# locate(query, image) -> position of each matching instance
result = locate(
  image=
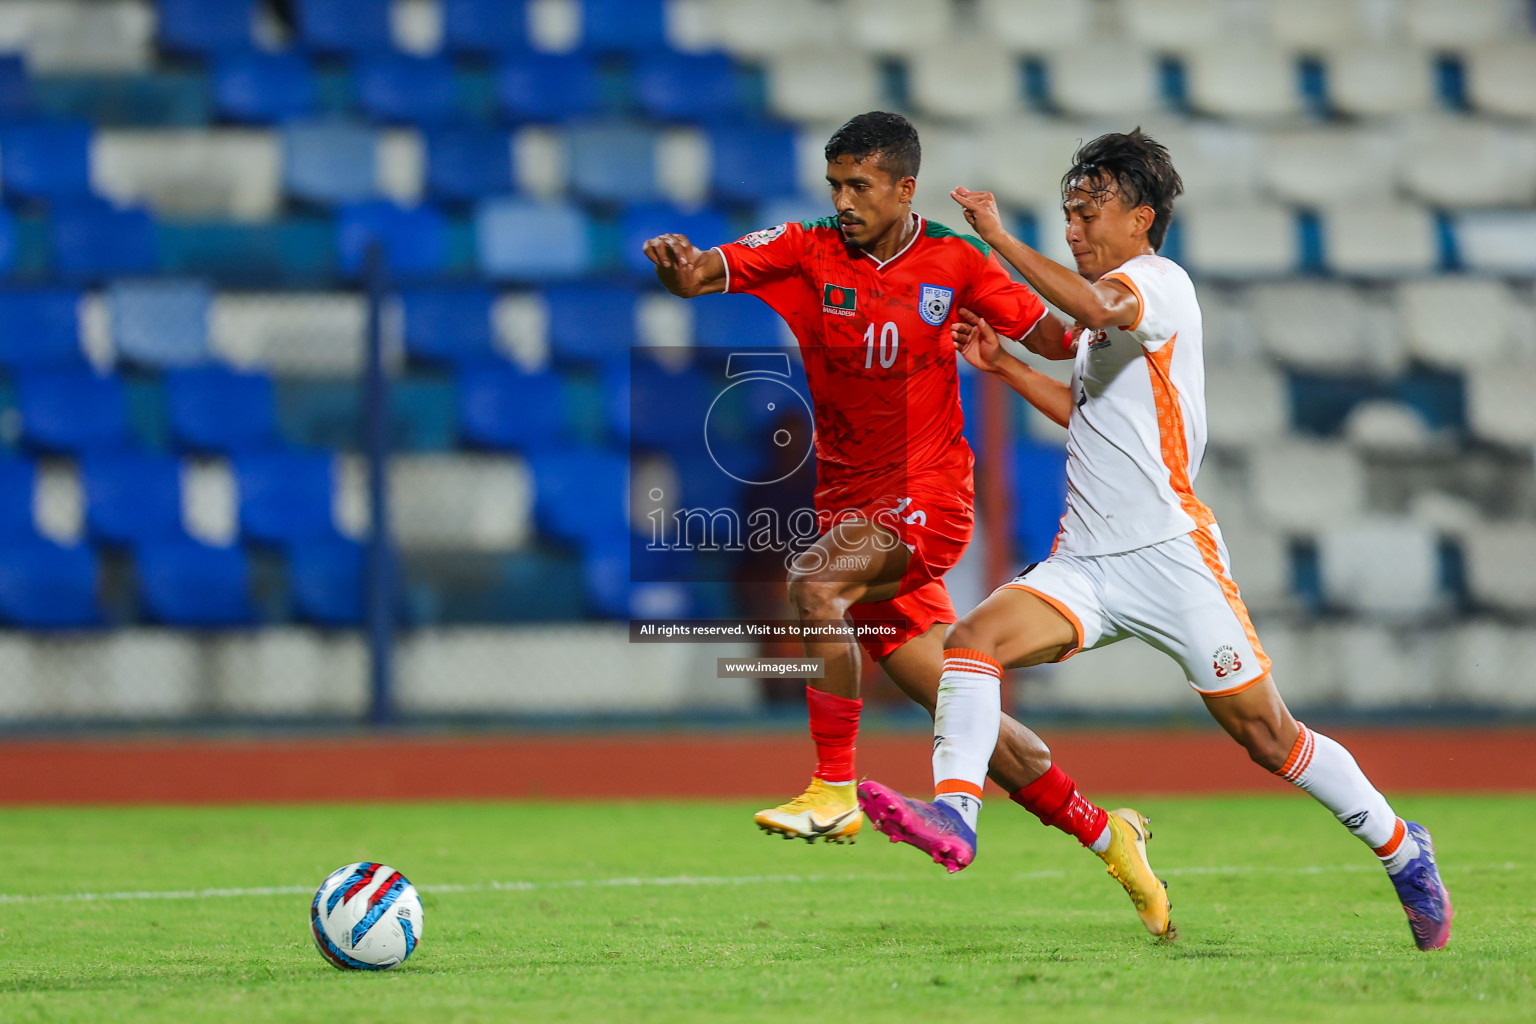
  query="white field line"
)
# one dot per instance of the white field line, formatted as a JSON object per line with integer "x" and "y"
{"x": 681, "y": 881}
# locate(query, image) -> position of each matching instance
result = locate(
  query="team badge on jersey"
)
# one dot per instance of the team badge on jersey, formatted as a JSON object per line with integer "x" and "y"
{"x": 839, "y": 300}
{"x": 933, "y": 304}
{"x": 762, "y": 237}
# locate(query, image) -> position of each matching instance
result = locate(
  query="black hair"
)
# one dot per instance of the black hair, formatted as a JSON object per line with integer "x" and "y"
{"x": 1136, "y": 166}
{"x": 890, "y": 136}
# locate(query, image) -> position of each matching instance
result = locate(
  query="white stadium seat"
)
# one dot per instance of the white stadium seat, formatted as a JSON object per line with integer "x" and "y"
{"x": 822, "y": 85}
{"x": 541, "y": 164}
{"x": 751, "y": 28}
{"x": 400, "y": 165}
{"x": 1501, "y": 78}
{"x": 1315, "y": 23}
{"x": 1241, "y": 80}
{"x": 1305, "y": 487}
{"x": 897, "y": 26}
{"x": 1128, "y": 676}
{"x": 79, "y": 36}
{"x": 1240, "y": 241}
{"x": 1489, "y": 663}
{"x": 1126, "y": 87}
{"x": 1218, "y": 163}
{"x": 1500, "y": 405}
{"x": 289, "y": 672}
{"x": 1441, "y": 24}
{"x": 445, "y": 502}
{"x": 124, "y": 673}
{"x": 1026, "y": 157}
{"x": 1321, "y": 326}
{"x": 1231, "y": 333}
{"x": 1380, "y": 239}
{"x": 1500, "y": 242}
{"x": 520, "y": 329}
{"x": 1246, "y": 403}
{"x": 1036, "y": 26}
{"x": 1260, "y": 563}
{"x": 951, "y": 156}
{"x": 1383, "y": 568}
{"x": 1173, "y": 23}
{"x": 965, "y": 82}
{"x": 1302, "y": 668}
{"x": 1304, "y": 167}
{"x": 221, "y": 173}
{"x": 1454, "y": 321}
{"x": 290, "y": 333}
{"x": 1385, "y": 425}
{"x": 1437, "y": 153}
{"x": 1380, "y": 667}
{"x": 1501, "y": 566}
{"x": 1374, "y": 81}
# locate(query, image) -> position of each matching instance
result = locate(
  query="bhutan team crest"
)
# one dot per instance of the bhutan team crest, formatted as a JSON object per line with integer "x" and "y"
{"x": 1226, "y": 661}
{"x": 933, "y": 304}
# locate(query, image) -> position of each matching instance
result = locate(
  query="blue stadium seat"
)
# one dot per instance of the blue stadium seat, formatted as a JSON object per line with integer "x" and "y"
{"x": 687, "y": 87}
{"x": 636, "y": 26}
{"x": 15, "y": 89}
{"x": 466, "y": 164}
{"x": 160, "y": 322}
{"x": 291, "y": 251}
{"x": 41, "y": 329}
{"x": 344, "y": 26}
{"x": 329, "y": 163}
{"x": 286, "y": 496}
{"x": 72, "y": 410}
{"x": 448, "y": 325}
{"x": 93, "y": 241}
{"x": 484, "y": 26}
{"x": 735, "y": 321}
{"x": 46, "y": 159}
{"x": 590, "y": 321}
{"x": 704, "y": 228}
{"x": 617, "y": 587}
{"x": 201, "y": 27}
{"x": 548, "y": 87}
{"x": 132, "y": 497}
{"x": 264, "y": 87}
{"x": 18, "y": 482}
{"x": 667, "y": 409}
{"x": 326, "y": 578}
{"x": 523, "y": 240}
{"x": 580, "y": 494}
{"x": 612, "y": 162}
{"x": 214, "y": 409}
{"x": 1040, "y": 481}
{"x": 9, "y": 241}
{"x": 502, "y": 407}
{"x": 188, "y": 584}
{"x": 752, "y": 163}
{"x": 414, "y": 239}
{"x": 46, "y": 586}
{"x": 416, "y": 90}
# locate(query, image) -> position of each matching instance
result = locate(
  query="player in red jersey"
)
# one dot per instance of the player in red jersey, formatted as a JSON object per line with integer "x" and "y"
{"x": 870, "y": 295}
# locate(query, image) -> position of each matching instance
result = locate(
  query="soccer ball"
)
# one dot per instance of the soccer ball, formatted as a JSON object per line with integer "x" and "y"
{"x": 365, "y": 917}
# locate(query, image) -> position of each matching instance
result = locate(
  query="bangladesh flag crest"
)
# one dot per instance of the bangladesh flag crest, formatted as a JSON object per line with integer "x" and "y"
{"x": 839, "y": 299}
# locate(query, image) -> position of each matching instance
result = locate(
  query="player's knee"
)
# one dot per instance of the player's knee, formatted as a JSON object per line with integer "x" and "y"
{"x": 968, "y": 636}
{"x": 817, "y": 598}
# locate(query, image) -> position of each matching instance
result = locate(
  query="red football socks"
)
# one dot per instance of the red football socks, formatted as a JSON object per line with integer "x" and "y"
{"x": 835, "y": 728}
{"x": 1054, "y": 799}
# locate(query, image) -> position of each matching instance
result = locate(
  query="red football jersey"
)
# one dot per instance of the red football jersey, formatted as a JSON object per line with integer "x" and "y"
{"x": 875, "y": 340}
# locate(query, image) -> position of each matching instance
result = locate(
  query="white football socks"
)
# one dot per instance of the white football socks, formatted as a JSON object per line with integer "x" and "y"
{"x": 966, "y": 721}
{"x": 1323, "y": 768}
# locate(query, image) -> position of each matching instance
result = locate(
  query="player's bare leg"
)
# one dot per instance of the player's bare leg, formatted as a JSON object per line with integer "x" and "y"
{"x": 1013, "y": 629}
{"x": 856, "y": 560}
{"x": 1259, "y": 720}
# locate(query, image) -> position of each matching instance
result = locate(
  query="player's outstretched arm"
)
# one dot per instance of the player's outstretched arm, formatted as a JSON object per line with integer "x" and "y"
{"x": 1092, "y": 304}
{"x": 683, "y": 268}
{"x": 978, "y": 344}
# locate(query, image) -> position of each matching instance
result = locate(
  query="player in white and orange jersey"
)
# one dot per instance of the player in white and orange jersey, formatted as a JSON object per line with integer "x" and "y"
{"x": 1138, "y": 554}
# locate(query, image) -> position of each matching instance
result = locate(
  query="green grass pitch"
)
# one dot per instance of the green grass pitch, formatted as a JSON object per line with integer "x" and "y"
{"x": 684, "y": 911}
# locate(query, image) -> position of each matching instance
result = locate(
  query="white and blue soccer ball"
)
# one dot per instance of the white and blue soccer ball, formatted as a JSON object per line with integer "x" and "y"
{"x": 366, "y": 917}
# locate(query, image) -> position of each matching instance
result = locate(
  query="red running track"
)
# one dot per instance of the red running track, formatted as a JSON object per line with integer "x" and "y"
{"x": 727, "y": 765}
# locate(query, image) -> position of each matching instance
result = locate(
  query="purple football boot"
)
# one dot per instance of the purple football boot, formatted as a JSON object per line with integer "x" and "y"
{"x": 936, "y": 829}
{"x": 1423, "y": 895}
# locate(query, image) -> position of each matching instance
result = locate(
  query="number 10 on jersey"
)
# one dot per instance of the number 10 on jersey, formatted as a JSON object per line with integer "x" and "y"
{"x": 888, "y": 343}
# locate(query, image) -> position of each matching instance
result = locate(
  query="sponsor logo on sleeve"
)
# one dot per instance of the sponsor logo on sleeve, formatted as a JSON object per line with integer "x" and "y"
{"x": 933, "y": 304}
{"x": 762, "y": 237}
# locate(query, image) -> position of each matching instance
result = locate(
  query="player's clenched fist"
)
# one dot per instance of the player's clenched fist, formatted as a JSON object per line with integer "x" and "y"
{"x": 980, "y": 210}
{"x": 683, "y": 268}
{"x": 670, "y": 251}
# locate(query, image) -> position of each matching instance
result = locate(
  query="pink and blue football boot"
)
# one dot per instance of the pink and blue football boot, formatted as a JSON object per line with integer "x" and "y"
{"x": 1423, "y": 895}
{"x": 937, "y": 829}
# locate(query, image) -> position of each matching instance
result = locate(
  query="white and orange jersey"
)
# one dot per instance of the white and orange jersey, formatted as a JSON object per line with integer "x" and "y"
{"x": 1137, "y": 432}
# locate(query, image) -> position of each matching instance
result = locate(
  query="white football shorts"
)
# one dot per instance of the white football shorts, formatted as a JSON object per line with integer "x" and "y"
{"x": 1177, "y": 595}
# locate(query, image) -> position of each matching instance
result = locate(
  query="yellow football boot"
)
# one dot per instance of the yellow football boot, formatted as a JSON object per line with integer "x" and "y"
{"x": 1126, "y": 857}
{"x": 824, "y": 811}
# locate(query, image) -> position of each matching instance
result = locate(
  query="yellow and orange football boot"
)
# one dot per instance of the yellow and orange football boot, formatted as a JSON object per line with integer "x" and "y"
{"x": 824, "y": 811}
{"x": 1126, "y": 857}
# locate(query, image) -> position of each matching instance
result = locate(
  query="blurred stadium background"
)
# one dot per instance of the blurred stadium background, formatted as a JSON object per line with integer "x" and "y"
{"x": 190, "y": 190}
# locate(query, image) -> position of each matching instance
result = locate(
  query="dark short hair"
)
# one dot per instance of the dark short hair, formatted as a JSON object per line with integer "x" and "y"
{"x": 1136, "y": 166}
{"x": 879, "y": 132}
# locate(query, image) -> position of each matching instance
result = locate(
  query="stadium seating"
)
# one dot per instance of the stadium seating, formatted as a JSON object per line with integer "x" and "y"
{"x": 1381, "y": 568}
{"x": 213, "y": 409}
{"x": 548, "y": 87}
{"x": 329, "y": 163}
{"x": 484, "y": 26}
{"x": 46, "y": 159}
{"x": 344, "y": 26}
{"x": 72, "y": 410}
{"x": 687, "y": 87}
{"x": 194, "y": 27}
{"x": 188, "y": 584}
{"x": 286, "y": 497}
{"x": 465, "y": 164}
{"x": 417, "y": 90}
{"x": 448, "y": 325}
{"x": 502, "y": 407}
{"x": 160, "y": 323}
{"x": 327, "y": 579}
{"x": 40, "y": 329}
{"x": 264, "y": 87}
{"x": 531, "y": 241}
{"x": 93, "y": 241}
{"x": 132, "y": 498}
{"x": 414, "y": 240}
{"x": 47, "y": 586}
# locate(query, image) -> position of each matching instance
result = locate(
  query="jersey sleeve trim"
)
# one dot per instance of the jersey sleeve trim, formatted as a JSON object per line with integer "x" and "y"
{"x": 726, "y": 262}
{"x": 1141, "y": 303}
